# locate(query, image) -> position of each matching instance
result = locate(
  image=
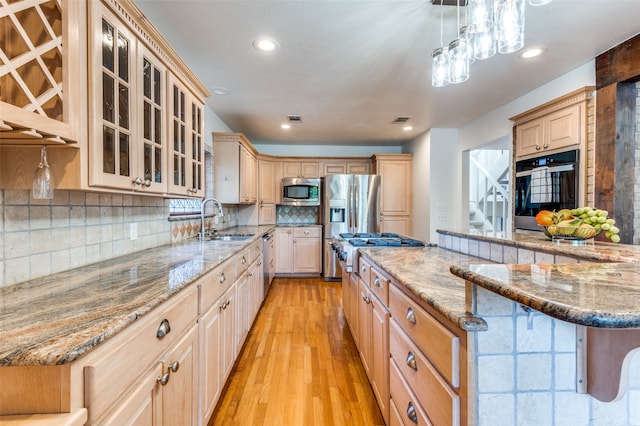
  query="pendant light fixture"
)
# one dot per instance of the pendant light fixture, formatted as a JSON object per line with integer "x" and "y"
{"x": 458, "y": 57}
{"x": 510, "y": 25}
{"x": 539, "y": 2}
{"x": 440, "y": 59}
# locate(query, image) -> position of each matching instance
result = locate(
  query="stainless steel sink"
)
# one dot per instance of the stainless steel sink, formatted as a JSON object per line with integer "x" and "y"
{"x": 231, "y": 237}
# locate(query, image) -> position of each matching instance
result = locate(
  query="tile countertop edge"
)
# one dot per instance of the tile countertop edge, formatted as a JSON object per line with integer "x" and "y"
{"x": 87, "y": 332}
{"x": 462, "y": 319}
{"x": 541, "y": 298}
{"x": 597, "y": 251}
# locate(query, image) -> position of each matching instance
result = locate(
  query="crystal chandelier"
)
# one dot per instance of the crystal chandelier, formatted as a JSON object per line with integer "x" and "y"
{"x": 491, "y": 26}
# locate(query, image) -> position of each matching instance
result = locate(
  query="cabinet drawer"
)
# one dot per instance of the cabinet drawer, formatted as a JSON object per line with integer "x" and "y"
{"x": 404, "y": 401}
{"x": 380, "y": 285}
{"x": 255, "y": 251}
{"x": 117, "y": 365}
{"x": 243, "y": 260}
{"x": 440, "y": 402}
{"x": 364, "y": 270}
{"x": 310, "y": 232}
{"x": 440, "y": 345}
{"x": 215, "y": 283}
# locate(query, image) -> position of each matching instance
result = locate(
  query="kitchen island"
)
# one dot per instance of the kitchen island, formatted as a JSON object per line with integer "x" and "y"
{"x": 532, "y": 364}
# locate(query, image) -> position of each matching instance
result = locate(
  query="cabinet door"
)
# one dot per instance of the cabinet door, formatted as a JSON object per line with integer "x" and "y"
{"x": 307, "y": 255}
{"x": 380, "y": 355}
{"x": 310, "y": 169}
{"x": 243, "y": 309}
{"x": 396, "y": 225}
{"x": 365, "y": 325}
{"x": 563, "y": 128}
{"x": 180, "y": 394}
{"x": 529, "y": 137}
{"x": 396, "y": 187}
{"x": 354, "y": 299}
{"x": 290, "y": 169}
{"x": 211, "y": 347}
{"x": 186, "y": 147}
{"x": 227, "y": 352}
{"x": 335, "y": 168}
{"x": 43, "y": 86}
{"x": 248, "y": 184}
{"x": 284, "y": 251}
{"x": 267, "y": 214}
{"x": 359, "y": 168}
{"x": 152, "y": 175}
{"x": 113, "y": 81}
{"x": 267, "y": 182}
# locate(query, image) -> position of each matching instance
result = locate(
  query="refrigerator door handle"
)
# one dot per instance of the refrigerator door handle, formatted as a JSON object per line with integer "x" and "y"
{"x": 356, "y": 205}
{"x": 349, "y": 209}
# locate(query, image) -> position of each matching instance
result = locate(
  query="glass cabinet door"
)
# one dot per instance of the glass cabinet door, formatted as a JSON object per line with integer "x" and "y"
{"x": 197, "y": 149}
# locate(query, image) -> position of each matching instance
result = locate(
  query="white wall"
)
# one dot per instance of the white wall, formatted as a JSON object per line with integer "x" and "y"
{"x": 441, "y": 155}
{"x": 212, "y": 123}
{"x": 303, "y": 150}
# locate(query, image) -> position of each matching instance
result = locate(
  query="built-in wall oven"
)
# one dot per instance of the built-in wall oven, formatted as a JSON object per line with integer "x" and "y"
{"x": 549, "y": 182}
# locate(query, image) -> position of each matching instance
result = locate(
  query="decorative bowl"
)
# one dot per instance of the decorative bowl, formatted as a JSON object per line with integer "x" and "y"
{"x": 578, "y": 235}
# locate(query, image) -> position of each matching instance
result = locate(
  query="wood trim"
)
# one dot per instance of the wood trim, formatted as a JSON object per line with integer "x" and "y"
{"x": 584, "y": 94}
{"x": 618, "y": 64}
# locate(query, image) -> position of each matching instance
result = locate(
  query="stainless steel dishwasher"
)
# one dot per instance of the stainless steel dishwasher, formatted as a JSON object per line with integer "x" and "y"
{"x": 267, "y": 259}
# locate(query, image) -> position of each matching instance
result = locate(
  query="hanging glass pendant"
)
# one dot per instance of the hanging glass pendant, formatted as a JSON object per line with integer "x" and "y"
{"x": 465, "y": 34}
{"x": 440, "y": 67}
{"x": 510, "y": 25}
{"x": 480, "y": 15}
{"x": 539, "y": 2}
{"x": 484, "y": 44}
{"x": 458, "y": 61}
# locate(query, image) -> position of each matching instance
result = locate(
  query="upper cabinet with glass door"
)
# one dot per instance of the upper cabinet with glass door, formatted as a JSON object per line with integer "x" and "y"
{"x": 147, "y": 123}
{"x": 41, "y": 72}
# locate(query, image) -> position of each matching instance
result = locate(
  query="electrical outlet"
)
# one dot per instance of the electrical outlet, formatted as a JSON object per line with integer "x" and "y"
{"x": 133, "y": 231}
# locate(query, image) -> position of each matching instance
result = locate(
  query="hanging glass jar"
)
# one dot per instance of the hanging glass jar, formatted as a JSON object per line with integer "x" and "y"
{"x": 458, "y": 61}
{"x": 484, "y": 43}
{"x": 440, "y": 67}
{"x": 480, "y": 15}
{"x": 510, "y": 25}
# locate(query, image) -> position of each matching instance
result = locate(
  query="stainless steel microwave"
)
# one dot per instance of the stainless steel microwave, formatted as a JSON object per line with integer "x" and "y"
{"x": 300, "y": 192}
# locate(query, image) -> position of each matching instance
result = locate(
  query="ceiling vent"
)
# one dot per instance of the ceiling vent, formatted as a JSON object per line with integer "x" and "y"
{"x": 295, "y": 118}
{"x": 400, "y": 120}
{"x": 449, "y": 2}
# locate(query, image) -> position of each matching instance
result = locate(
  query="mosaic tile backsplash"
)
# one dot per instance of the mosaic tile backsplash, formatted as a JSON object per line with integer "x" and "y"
{"x": 294, "y": 214}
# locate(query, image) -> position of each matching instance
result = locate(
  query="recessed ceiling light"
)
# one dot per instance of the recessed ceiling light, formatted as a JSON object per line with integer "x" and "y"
{"x": 221, "y": 91}
{"x": 264, "y": 44}
{"x": 285, "y": 126}
{"x": 407, "y": 128}
{"x": 532, "y": 53}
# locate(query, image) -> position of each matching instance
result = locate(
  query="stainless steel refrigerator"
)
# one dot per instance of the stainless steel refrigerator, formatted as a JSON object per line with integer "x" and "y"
{"x": 350, "y": 204}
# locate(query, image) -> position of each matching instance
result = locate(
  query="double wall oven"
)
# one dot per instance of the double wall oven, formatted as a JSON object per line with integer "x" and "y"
{"x": 549, "y": 182}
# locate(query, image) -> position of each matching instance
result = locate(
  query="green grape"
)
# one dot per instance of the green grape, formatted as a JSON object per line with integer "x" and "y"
{"x": 602, "y": 219}
{"x": 614, "y": 229}
{"x": 608, "y": 234}
{"x": 579, "y": 210}
{"x": 603, "y": 213}
{"x": 615, "y": 238}
{"x": 591, "y": 213}
{"x": 611, "y": 221}
{"x": 605, "y": 226}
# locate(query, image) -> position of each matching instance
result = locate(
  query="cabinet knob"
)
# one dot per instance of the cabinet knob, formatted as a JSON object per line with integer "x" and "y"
{"x": 222, "y": 278}
{"x": 411, "y": 361}
{"x": 163, "y": 329}
{"x": 137, "y": 181}
{"x": 164, "y": 379}
{"x": 366, "y": 299}
{"x": 545, "y": 146}
{"x": 363, "y": 268}
{"x": 411, "y": 316}
{"x": 244, "y": 260}
{"x": 174, "y": 366}
{"x": 306, "y": 232}
{"x": 376, "y": 282}
{"x": 147, "y": 183}
{"x": 411, "y": 413}
{"x": 537, "y": 147}
{"x": 288, "y": 232}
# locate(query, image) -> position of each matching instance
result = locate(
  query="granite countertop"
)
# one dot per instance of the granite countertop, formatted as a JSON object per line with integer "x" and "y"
{"x": 296, "y": 225}
{"x": 603, "y": 295}
{"x": 56, "y": 319}
{"x": 594, "y": 251}
{"x": 425, "y": 272}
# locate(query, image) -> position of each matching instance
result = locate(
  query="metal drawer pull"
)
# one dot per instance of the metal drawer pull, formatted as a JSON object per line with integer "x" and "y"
{"x": 411, "y": 316}
{"x": 411, "y": 413}
{"x": 363, "y": 268}
{"x": 366, "y": 299}
{"x": 244, "y": 260}
{"x": 222, "y": 278}
{"x": 164, "y": 379}
{"x": 376, "y": 282}
{"x": 163, "y": 329}
{"x": 174, "y": 366}
{"x": 411, "y": 361}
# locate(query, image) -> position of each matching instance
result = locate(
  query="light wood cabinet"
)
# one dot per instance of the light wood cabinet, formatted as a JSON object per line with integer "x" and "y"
{"x": 396, "y": 192}
{"x": 112, "y": 79}
{"x": 348, "y": 166}
{"x": 267, "y": 192}
{"x": 235, "y": 169}
{"x": 301, "y": 169}
{"x": 43, "y": 75}
{"x": 298, "y": 250}
{"x": 555, "y": 126}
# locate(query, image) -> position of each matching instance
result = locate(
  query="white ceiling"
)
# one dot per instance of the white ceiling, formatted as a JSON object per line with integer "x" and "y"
{"x": 350, "y": 67}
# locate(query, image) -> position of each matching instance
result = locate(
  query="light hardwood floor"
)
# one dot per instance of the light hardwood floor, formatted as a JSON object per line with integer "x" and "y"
{"x": 299, "y": 365}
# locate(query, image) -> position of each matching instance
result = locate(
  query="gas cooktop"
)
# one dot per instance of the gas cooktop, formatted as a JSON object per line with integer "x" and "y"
{"x": 380, "y": 239}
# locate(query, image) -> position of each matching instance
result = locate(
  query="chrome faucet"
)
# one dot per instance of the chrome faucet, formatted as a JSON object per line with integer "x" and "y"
{"x": 202, "y": 232}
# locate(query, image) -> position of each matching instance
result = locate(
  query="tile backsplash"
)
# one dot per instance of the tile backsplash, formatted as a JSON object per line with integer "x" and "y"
{"x": 295, "y": 214}
{"x": 41, "y": 237}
